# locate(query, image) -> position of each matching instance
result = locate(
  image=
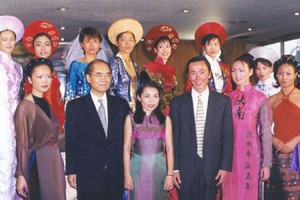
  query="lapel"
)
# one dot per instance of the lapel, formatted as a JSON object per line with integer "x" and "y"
{"x": 93, "y": 115}
{"x": 112, "y": 116}
{"x": 211, "y": 110}
{"x": 189, "y": 113}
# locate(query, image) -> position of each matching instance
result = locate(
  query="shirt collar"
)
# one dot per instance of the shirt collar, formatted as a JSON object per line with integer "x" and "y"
{"x": 5, "y": 56}
{"x": 119, "y": 55}
{"x": 159, "y": 60}
{"x": 204, "y": 94}
{"x": 217, "y": 59}
{"x": 95, "y": 99}
{"x": 247, "y": 87}
{"x": 269, "y": 81}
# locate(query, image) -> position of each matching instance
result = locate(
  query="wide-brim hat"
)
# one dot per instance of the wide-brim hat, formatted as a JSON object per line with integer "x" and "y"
{"x": 158, "y": 31}
{"x": 264, "y": 52}
{"x": 210, "y": 28}
{"x": 40, "y": 26}
{"x": 13, "y": 24}
{"x": 125, "y": 25}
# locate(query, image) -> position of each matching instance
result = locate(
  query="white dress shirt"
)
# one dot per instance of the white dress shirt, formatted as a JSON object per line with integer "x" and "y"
{"x": 97, "y": 103}
{"x": 204, "y": 99}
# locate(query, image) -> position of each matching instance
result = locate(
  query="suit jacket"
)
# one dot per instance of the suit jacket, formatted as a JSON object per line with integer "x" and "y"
{"x": 89, "y": 154}
{"x": 218, "y": 136}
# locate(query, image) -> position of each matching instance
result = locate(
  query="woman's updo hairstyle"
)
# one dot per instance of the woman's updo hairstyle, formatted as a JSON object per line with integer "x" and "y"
{"x": 290, "y": 60}
{"x": 37, "y": 62}
{"x": 248, "y": 59}
{"x": 27, "y": 72}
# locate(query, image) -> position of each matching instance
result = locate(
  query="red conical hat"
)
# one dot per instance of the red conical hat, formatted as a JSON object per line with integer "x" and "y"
{"x": 40, "y": 26}
{"x": 210, "y": 28}
{"x": 161, "y": 30}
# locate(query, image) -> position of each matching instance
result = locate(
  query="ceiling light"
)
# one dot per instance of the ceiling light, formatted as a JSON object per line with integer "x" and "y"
{"x": 250, "y": 29}
{"x": 62, "y": 9}
{"x": 296, "y": 13}
{"x": 142, "y": 39}
{"x": 62, "y": 28}
{"x": 62, "y": 39}
{"x": 185, "y": 10}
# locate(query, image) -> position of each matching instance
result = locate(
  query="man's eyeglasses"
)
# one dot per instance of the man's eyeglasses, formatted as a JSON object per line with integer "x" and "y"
{"x": 101, "y": 75}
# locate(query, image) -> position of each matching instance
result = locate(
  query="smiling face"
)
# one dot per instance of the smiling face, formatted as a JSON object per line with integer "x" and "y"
{"x": 263, "y": 71}
{"x": 90, "y": 45}
{"x": 163, "y": 50}
{"x": 7, "y": 41}
{"x": 99, "y": 78}
{"x": 42, "y": 47}
{"x": 212, "y": 47}
{"x": 198, "y": 75}
{"x": 241, "y": 73}
{"x": 41, "y": 79}
{"x": 126, "y": 42}
{"x": 149, "y": 99}
{"x": 286, "y": 75}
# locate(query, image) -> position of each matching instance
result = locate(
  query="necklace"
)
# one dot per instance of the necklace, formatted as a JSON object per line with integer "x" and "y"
{"x": 287, "y": 96}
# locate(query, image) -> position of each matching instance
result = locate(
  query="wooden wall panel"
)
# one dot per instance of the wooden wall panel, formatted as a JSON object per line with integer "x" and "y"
{"x": 232, "y": 50}
{"x": 185, "y": 51}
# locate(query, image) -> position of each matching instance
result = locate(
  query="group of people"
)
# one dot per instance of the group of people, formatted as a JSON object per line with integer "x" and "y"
{"x": 130, "y": 135}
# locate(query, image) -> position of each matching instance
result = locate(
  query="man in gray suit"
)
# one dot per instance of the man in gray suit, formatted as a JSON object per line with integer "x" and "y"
{"x": 202, "y": 134}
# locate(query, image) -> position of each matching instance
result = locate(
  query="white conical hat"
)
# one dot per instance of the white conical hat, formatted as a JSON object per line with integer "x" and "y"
{"x": 13, "y": 24}
{"x": 264, "y": 52}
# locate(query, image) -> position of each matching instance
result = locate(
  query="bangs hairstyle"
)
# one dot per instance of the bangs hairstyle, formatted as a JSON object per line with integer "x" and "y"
{"x": 290, "y": 60}
{"x": 197, "y": 59}
{"x": 139, "y": 113}
{"x": 120, "y": 35}
{"x": 254, "y": 78}
{"x": 39, "y": 35}
{"x": 162, "y": 39}
{"x": 209, "y": 37}
{"x": 263, "y": 61}
{"x": 89, "y": 32}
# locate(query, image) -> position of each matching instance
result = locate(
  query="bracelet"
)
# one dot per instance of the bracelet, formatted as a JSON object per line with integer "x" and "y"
{"x": 170, "y": 175}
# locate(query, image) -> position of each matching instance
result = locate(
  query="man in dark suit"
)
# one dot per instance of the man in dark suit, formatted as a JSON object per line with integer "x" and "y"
{"x": 94, "y": 138}
{"x": 202, "y": 134}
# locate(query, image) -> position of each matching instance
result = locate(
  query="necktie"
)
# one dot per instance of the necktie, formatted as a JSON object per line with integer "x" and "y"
{"x": 200, "y": 126}
{"x": 101, "y": 113}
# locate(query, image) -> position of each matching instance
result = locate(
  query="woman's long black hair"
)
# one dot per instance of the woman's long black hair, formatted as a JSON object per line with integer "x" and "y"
{"x": 139, "y": 113}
